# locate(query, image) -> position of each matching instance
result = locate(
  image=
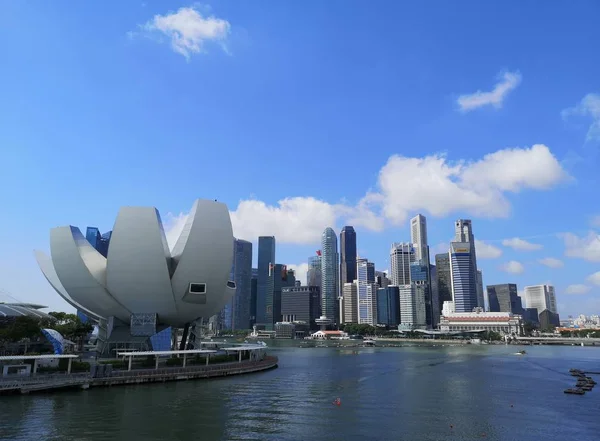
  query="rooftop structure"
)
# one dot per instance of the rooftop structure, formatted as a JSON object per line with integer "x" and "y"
{"x": 12, "y": 310}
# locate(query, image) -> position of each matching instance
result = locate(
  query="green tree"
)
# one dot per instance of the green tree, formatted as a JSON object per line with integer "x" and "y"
{"x": 23, "y": 327}
{"x": 69, "y": 326}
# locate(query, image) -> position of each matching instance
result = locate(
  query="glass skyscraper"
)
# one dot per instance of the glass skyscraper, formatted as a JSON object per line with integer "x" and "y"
{"x": 388, "y": 306}
{"x": 266, "y": 257}
{"x": 347, "y": 255}
{"x": 242, "y": 276}
{"x": 313, "y": 276}
{"x": 464, "y": 279}
{"x": 329, "y": 275}
{"x": 367, "y": 301}
{"x": 279, "y": 277}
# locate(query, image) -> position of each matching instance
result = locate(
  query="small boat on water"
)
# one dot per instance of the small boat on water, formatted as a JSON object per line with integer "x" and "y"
{"x": 369, "y": 342}
{"x": 575, "y": 391}
{"x": 520, "y": 353}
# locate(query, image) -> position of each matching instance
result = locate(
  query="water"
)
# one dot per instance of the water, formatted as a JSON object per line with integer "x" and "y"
{"x": 409, "y": 393}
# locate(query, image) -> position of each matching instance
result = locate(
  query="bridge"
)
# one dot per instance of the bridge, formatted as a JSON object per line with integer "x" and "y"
{"x": 560, "y": 340}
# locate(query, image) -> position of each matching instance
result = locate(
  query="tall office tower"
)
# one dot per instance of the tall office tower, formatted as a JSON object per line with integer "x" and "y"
{"x": 464, "y": 233}
{"x": 279, "y": 277}
{"x": 329, "y": 275}
{"x": 418, "y": 236}
{"x": 347, "y": 255}
{"x": 436, "y": 306}
{"x": 388, "y": 306}
{"x": 266, "y": 258}
{"x": 401, "y": 256}
{"x": 464, "y": 279}
{"x": 253, "y": 294}
{"x": 381, "y": 279}
{"x": 444, "y": 278}
{"x": 480, "y": 297}
{"x": 541, "y": 297}
{"x": 504, "y": 298}
{"x": 350, "y": 302}
{"x": 242, "y": 276}
{"x": 313, "y": 276}
{"x": 419, "y": 275}
{"x": 301, "y": 303}
{"x": 365, "y": 273}
{"x": 412, "y": 306}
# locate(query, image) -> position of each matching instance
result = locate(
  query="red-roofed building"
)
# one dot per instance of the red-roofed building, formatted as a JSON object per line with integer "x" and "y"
{"x": 501, "y": 322}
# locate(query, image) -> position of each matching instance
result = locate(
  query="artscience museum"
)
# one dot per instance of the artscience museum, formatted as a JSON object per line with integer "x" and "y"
{"x": 142, "y": 287}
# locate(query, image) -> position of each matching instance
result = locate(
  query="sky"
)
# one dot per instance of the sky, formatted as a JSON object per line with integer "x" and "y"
{"x": 304, "y": 115}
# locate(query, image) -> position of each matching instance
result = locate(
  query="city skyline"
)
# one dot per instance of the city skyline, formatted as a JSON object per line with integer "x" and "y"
{"x": 508, "y": 140}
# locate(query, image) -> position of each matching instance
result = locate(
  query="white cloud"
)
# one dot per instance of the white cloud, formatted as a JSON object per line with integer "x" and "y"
{"x": 301, "y": 270}
{"x": 188, "y": 30}
{"x": 594, "y": 278}
{"x": 513, "y": 267}
{"x": 577, "y": 289}
{"x": 486, "y": 251}
{"x": 507, "y": 81}
{"x": 585, "y": 247}
{"x": 551, "y": 262}
{"x": 430, "y": 185}
{"x": 173, "y": 225}
{"x": 521, "y": 245}
{"x": 588, "y": 106}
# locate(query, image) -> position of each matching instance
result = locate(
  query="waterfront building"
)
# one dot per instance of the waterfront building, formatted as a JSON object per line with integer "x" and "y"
{"x": 418, "y": 236}
{"x": 419, "y": 275}
{"x": 480, "y": 296}
{"x": 548, "y": 319}
{"x": 401, "y": 256}
{"x": 279, "y": 277}
{"x": 326, "y": 335}
{"x": 478, "y": 320}
{"x": 504, "y": 298}
{"x": 329, "y": 275}
{"x": 302, "y": 304}
{"x": 242, "y": 276}
{"x": 541, "y": 297}
{"x": 443, "y": 277}
{"x": 463, "y": 276}
{"x": 388, "y": 306}
{"x": 347, "y": 255}
{"x": 297, "y": 329}
{"x": 412, "y": 307}
{"x": 464, "y": 234}
{"x": 253, "y": 295}
{"x": 350, "y": 302}
{"x": 266, "y": 258}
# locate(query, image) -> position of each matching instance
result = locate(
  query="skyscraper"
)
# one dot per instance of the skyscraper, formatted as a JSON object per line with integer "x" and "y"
{"x": 367, "y": 295}
{"x": 412, "y": 306}
{"x": 418, "y": 236}
{"x": 463, "y": 229}
{"x": 242, "y": 276}
{"x": 504, "y": 298}
{"x": 388, "y": 306}
{"x": 347, "y": 255}
{"x": 279, "y": 277}
{"x": 350, "y": 302}
{"x": 266, "y": 257}
{"x": 313, "y": 274}
{"x": 541, "y": 297}
{"x": 464, "y": 279}
{"x": 401, "y": 256}
{"x": 480, "y": 296}
{"x": 253, "y": 295}
{"x": 444, "y": 279}
{"x": 329, "y": 275}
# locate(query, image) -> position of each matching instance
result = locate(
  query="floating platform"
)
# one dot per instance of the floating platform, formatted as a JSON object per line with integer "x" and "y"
{"x": 49, "y": 383}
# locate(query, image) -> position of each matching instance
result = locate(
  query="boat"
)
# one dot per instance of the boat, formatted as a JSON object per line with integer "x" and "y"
{"x": 520, "y": 353}
{"x": 575, "y": 391}
{"x": 369, "y": 342}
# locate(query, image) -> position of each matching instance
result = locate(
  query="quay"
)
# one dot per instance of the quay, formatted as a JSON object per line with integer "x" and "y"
{"x": 257, "y": 361}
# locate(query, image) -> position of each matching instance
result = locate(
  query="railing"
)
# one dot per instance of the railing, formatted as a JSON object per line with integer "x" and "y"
{"x": 43, "y": 380}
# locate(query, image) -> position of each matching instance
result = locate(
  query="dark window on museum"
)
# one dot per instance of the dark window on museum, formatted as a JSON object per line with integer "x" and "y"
{"x": 197, "y": 288}
{"x": 231, "y": 284}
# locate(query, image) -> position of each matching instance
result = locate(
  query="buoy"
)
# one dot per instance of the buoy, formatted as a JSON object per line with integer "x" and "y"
{"x": 451, "y": 426}
{"x": 512, "y": 405}
{"x": 337, "y": 402}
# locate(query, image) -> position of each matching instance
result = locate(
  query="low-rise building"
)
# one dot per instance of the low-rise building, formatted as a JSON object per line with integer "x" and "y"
{"x": 291, "y": 329}
{"x": 478, "y": 320}
{"x": 326, "y": 335}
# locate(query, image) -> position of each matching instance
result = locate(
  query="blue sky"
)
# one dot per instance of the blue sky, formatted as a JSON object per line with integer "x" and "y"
{"x": 303, "y": 115}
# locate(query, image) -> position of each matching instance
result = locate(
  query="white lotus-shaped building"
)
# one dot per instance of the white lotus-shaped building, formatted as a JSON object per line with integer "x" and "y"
{"x": 141, "y": 277}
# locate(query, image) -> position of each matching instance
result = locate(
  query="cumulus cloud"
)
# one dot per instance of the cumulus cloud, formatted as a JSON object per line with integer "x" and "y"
{"x": 513, "y": 267}
{"x": 430, "y": 185}
{"x": 521, "y": 245}
{"x": 551, "y": 262}
{"x": 173, "y": 225}
{"x": 507, "y": 81}
{"x": 189, "y": 30}
{"x": 589, "y": 106}
{"x": 301, "y": 270}
{"x": 594, "y": 278}
{"x": 486, "y": 251}
{"x": 584, "y": 247}
{"x": 577, "y": 289}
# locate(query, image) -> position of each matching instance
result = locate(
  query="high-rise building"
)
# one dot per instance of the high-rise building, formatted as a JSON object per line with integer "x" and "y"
{"x": 480, "y": 296}
{"x": 504, "y": 298}
{"x": 419, "y": 275}
{"x": 329, "y": 275}
{"x": 464, "y": 278}
{"x": 266, "y": 258}
{"x": 313, "y": 275}
{"x": 464, "y": 234}
{"x": 436, "y": 306}
{"x": 412, "y": 306}
{"x": 301, "y": 303}
{"x": 401, "y": 256}
{"x": 242, "y": 276}
{"x": 388, "y": 306}
{"x": 367, "y": 296}
{"x": 350, "y": 302}
{"x": 347, "y": 255}
{"x": 418, "y": 236}
{"x": 382, "y": 280}
{"x": 279, "y": 277}
{"x": 444, "y": 278}
{"x": 253, "y": 295}
{"x": 541, "y": 297}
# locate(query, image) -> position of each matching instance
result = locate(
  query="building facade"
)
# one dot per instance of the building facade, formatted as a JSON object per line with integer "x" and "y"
{"x": 412, "y": 307}
{"x": 253, "y": 295}
{"x": 301, "y": 304}
{"x": 242, "y": 276}
{"x": 418, "y": 236}
{"x": 388, "y": 306}
{"x": 464, "y": 277}
{"x": 347, "y": 255}
{"x": 279, "y": 277}
{"x": 329, "y": 275}
{"x": 501, "y": 322}
{"x": 444, "y": 278}
{"x": 480, "y": 296}
{"x": 313, "y": 275}
{"x": 367, "y": 301}
{"x": 266, "y": 258}
{"x": 401, "y": 256}
{"x": 504, "y": 298}
{"x": 541, "y": 297}
{"x": 350, "y": 302}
